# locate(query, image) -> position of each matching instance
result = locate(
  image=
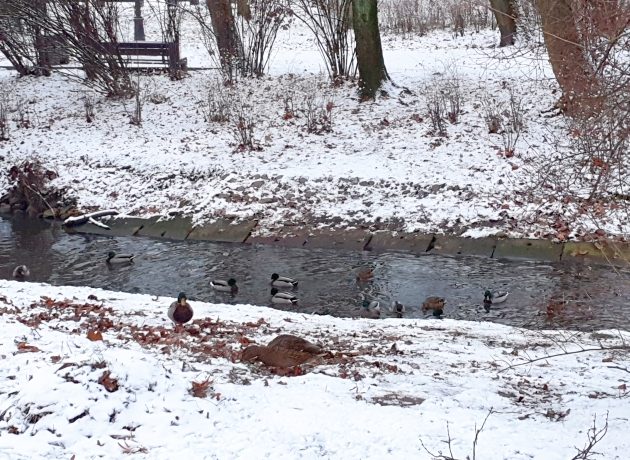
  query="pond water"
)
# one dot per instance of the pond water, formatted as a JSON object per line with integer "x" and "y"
{"x": 590, "y": 297}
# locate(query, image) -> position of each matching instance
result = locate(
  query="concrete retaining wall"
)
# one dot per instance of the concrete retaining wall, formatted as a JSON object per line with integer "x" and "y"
{"x": 223, "y": 230}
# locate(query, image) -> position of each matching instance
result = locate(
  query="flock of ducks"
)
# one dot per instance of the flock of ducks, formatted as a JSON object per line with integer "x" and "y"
{"x": 180, "y": 311}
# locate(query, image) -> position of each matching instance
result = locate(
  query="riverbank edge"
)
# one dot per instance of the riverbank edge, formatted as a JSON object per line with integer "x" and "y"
{"x": 359, "y": 239}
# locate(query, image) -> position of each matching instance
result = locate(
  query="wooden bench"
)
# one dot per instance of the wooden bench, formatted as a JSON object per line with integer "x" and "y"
{"x": 147, "y": 53}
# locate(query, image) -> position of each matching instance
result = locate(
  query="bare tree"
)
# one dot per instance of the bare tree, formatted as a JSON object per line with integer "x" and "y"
{"x": 329, "y": 20}
{"x": 370, "y": 60}
{"x": 226, "y": 36}
{"x": 567, "y": 55}
{"x": 505, "y": 14}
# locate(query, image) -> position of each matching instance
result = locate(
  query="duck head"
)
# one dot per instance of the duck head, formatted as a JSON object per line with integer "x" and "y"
{"x": 181, "y": 298}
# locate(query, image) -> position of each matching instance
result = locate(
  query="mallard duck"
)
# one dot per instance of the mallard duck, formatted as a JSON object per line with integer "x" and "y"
{"x": 283, "y": 281}
{"x": 113, "y": 258}
{"x": 371, "y": 309}
{"x": 283, "y": 351}
{"x": 365, "y": 274}
{"x": 21, "y": 272}
{"x": 276, "y": 356}
{"x": 435, "y": 304}
{"x": 225, "y": 286}
{"x": 293, "y": 342}
{"x": 397, "y": 308}
{"x": 180, "y": 312}
{"x": 285, "y": 298}
{"x": 495, "y": 297}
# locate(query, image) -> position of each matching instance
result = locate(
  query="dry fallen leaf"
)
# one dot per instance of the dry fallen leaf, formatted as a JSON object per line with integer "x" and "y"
{"x": 109, "y": 383}
{"x": 23, "y": 347}
{"x": 55, "y": 359}
{"x": 200, "y": 389}
{"x": 94, "y": 335}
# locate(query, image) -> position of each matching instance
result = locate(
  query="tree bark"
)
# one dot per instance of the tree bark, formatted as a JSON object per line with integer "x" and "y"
{"x": 567, "y": 56}
{"x": 226, "y": 35}
{"x": 370, "y": 62}
{"x": 505, "y": 14}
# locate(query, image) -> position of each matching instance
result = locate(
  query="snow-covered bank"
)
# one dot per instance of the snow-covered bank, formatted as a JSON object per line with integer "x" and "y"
{"x": 379, "y": 165}
{"x": 388, "y": 386}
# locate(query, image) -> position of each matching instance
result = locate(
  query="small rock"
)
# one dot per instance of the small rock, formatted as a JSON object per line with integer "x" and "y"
{"x": 302, "y": 180}
{"x": 268, "y": 199}
{"x": 257, "y": 184}
{"x": 366, "y": 183}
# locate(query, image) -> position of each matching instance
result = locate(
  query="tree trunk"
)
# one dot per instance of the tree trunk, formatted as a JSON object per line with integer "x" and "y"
{"x": 226, "y": 35}
{"x": 568, "y": 59}
{"x": 370, "y": 60}
{"x": 505, "y": 14}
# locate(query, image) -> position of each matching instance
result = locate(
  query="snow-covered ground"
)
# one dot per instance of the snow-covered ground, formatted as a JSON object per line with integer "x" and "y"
{"x": 88, "y": 373}
{"x": 381, "y": 163}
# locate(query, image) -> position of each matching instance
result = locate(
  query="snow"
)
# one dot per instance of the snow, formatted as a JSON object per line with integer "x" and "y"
{"x": 380, "y": 165}
{"x": 371, "y": 400}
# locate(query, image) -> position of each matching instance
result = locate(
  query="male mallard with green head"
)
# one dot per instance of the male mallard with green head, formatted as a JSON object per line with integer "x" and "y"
{"x": 283, "y": 298}
{"x": 225, "y": 286}
{"x": 398, "y": 309}
{"x": 283, "y": 281}
{"x": 21, "y": 272}
{"x": 180, "y": 312}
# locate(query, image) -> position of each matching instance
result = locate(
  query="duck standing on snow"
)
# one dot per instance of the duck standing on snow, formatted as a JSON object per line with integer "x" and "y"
{"x": 225, "y": 286}
{"x": 283, "y": 298}
{"x": 180, "y": 312}
{"x": 435, "y": 304}
{"x": 397, "y": 309}
{"x": 113, "y": 258}
{"x": 283, "y": 281}
{"x": 21, "y": 272}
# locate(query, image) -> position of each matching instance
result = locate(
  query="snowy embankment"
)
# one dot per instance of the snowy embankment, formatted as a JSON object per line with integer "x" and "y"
{"x": 379, "y": 164}
{"x": 88, "y": 373}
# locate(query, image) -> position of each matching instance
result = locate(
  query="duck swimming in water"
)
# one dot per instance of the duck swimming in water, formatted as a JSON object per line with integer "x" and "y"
{"x": 283, "y": 298}
{"x": 283, "y": 281}
{"x": 113, "y": 258}
{"x": 21, "y": 272}
{"x": 225, "y": 286}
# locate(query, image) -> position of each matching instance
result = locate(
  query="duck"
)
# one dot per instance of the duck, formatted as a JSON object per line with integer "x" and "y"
{"x": 435, "y": 304}
{"x": 397, "y": 308}
{"x": 113, "y": 258}
{"x": 283, "y": 281}
{"x": 495, "y": 297}
{"x": 275, "y": 356}
{"x": 285, "y": 298}
{"x": 293, "y": 342}
{"x": 365, "y": 274}
{"x": 21, "y": 272}
{"x": 225, "y": 286}
{"x": 371, "y": 309}
{"x": 180, "y": 312}
{"x": 284, "y": 351}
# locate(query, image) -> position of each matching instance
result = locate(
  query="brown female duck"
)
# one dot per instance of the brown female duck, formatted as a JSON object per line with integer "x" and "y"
{"x": 180, "y": 312}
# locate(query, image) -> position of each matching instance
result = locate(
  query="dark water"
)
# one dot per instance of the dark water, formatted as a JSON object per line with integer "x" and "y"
{"x": 594, "y": 298}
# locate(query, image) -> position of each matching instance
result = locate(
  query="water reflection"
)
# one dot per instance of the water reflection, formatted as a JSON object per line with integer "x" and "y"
{"x": 581, "y": 298}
